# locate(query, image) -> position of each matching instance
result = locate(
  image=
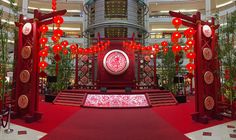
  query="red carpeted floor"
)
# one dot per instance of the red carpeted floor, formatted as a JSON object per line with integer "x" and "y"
{"x": 115, "y": 124}
{"x": 179, "y": 116}
{"x": 53, "y": 115}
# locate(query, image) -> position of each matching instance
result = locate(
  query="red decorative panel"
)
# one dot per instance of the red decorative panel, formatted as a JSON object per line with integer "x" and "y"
{"x": 126, "y": 78}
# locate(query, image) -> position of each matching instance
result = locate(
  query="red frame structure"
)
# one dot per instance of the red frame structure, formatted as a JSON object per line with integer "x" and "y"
{"x": 31, "y": 88}
{"x": 203, "y": 90}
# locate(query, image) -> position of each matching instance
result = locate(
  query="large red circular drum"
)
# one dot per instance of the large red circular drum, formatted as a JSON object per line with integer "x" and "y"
{"x": 116, "y": 62}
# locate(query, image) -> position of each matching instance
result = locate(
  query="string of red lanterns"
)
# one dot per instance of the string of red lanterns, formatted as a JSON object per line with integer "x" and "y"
{"x": 43, "y": 53}
{"x": 188, "y": 33}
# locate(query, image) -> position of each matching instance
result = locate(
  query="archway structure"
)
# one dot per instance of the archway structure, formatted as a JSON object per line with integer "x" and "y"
{"x": 26, "y": 73}
{"x": 206, "y": 74}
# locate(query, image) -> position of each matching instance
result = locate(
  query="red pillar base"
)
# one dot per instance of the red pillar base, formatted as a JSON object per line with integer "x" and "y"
{"x": 32, "y": 118}
{"x": 204, "y": 118}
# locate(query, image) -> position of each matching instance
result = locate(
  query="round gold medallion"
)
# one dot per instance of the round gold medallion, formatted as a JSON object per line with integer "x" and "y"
{"x": 26, "y": 52}
{"x": 23, "y": 101}
{"x": 208, "y": 77}
{"x": 207, "y": 53}
{"x": 209, "y": 103}
{"x": 24, "y": 76}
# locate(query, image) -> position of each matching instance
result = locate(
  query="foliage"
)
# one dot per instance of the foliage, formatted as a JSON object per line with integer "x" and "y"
{"x": 65, "y": 70}
{"x": 227, "y": 55}
{"x": 7, "y": 32}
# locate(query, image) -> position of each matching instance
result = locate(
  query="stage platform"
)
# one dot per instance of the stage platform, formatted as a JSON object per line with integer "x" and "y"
{"x": 115, "y": 98}
{"x": 116, "y": 91}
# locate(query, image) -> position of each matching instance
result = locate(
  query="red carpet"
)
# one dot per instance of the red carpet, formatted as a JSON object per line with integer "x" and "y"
{"x": 115, "y": 124}
{"x": 53, "y": 115}
{"x": 179, "y": 116}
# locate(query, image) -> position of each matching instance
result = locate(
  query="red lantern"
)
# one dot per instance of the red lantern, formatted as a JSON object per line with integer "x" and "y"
{"x": 190, "y": 43}
{"x": 43, "y": 65}
{"x": 64, "y": 43}
{"x": 57, "y": 48}
{"x": 43, "y": 40}
{"x": 186, "y": 48}
{"x": 189, "y": 32}
{"x": 58, "y": 20}
{"x": 65, "y": 52}
{"x": 58, "y": 32}
{"x": 176, "y": 22}
{"x": 165, "y": 50}
{"x": 190, "y": 67}
{"x": 54, "y": 5}
{"x": 80, "y": 50}
{"x": 176, "y": 35}
{"x": 54, "y": 38}
{"x": 43, "y": 53}
{"x": 43, "y": 29}
{"x": 73, "y": 47}
{"x": 46, "y": 48}
{"x": 176, "y": 49}
{"x": 191, "y": 55}
{"x": 164, "y": 44}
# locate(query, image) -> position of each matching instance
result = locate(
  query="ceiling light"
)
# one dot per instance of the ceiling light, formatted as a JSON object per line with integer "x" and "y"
{"x": 181, "y": 10}
{"x": 66, "y": 28}
{"x": 168, "y": 29}
{"x": 8, "y": 2}
{"x": 224, "y": 4}
{"x": 49, "y": 10}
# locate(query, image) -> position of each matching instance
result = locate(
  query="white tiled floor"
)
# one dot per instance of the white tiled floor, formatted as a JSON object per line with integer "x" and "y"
{"x": 219, "y": 132}
{"x": 31, "y": 134}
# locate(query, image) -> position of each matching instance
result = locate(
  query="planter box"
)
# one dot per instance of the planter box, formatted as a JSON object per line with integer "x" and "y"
{"x": 181, "y": 98}
{"x": 49, "y": 98}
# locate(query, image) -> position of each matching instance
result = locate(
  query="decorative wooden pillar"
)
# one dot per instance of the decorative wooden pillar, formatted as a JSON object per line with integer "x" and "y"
{"x": 206, "y": 72}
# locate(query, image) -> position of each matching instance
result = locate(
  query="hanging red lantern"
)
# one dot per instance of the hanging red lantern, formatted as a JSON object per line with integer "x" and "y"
{"x": 165, "y": 50}
{"x": 43, "y": 29}
{"x": 176, "y": 49}
{"x": 65, "y": 51}
{"x": 177, "y": 22}
{"x": 176, "y": 35}
{"x": 43, "y": 65}
{"x": 190, "y": 67}
{"x": 190, "y": 43}
{"x": 57, "y": 48}
{"x": 189, "y": 32}
{"x": 54, "y": 38}
{"x": 186, "y": 48}
{"x": 46, "y": 48}
{"x": 73, "y": 47}
{"x": 80, "y": 50}
{"x": 58, "y": 32}
{"x": 64, "y": 43}
{"x": 54, "y": 5}
{"x": 43, "y": 53}
{"x": 58, "y": 20}
{"x": 43, "y": 40}
{"x": 164, "y": 44}
{"x": 191, "y": 55}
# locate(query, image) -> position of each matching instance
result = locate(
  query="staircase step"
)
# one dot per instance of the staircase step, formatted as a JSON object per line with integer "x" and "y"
{"x": 67, "y": 104}
{"x": 68, "y": 101}
{"x": 164, "y": 104}
{"x": 161, "y": 98}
